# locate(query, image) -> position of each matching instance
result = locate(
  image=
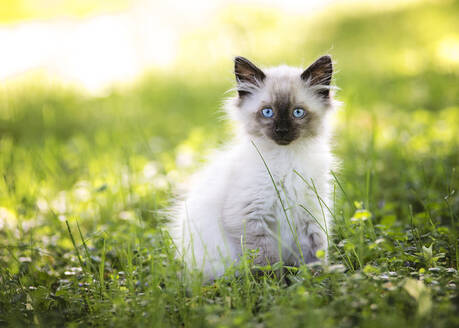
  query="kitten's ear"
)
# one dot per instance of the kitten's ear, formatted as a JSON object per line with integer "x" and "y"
{"x": 247, "y": 73}
{"x": 320, "y": 74}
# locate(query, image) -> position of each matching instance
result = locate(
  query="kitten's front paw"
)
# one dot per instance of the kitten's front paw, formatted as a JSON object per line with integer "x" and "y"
{"x": 317, "y": 241}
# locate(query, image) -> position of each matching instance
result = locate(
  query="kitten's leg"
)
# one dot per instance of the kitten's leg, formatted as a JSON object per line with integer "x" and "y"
{"x": 312, "y": 239}
{"x": 258, "y": 236}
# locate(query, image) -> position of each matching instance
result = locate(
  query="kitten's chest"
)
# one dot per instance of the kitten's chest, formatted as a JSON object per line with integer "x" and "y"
{"x": 269, "y": 189}
{"x": 293, "y": 190}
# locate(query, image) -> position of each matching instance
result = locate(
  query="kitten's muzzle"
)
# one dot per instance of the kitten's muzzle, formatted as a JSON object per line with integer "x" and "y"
{"x": 281, "y": 130}
{"x": 282, "y": 136}
{"x": 282, "y": 142}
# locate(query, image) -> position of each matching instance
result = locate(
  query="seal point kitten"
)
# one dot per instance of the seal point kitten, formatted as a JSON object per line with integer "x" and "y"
{"x": 265, "y": 190}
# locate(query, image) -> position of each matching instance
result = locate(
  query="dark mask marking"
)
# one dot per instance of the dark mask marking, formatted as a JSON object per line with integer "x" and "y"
{"x": 283, "y": 128}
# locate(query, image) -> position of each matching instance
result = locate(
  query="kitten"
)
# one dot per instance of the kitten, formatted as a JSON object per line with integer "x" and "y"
{"x": 233, "y": 204}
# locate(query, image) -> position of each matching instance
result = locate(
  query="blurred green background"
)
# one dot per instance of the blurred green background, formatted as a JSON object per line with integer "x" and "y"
{"x": 110, "y": 157}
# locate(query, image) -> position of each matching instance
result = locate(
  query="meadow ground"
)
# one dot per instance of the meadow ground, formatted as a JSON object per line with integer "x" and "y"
{"x": 83, "y": 177}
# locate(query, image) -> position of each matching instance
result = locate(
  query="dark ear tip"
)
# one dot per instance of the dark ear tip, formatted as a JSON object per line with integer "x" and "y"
{"x": 319, "y": 72}
{"x": 240, "y": 60}
{"x": 325, "y": 59}
{"x": 246, "y": 71}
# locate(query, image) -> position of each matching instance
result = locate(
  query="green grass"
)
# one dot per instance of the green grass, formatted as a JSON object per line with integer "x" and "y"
{"x": 83, "y": 180}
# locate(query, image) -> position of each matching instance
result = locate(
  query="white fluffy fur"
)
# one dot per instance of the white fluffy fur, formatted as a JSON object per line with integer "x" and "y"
{"x": 232, "y": 203}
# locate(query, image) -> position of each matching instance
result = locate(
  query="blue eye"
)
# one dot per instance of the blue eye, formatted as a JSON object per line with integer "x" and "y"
{"x": 298, "y": 112}
{"x": 267, "y": 112}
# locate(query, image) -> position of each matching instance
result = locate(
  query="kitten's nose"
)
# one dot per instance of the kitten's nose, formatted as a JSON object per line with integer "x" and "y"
{"x": 281, "y": 130}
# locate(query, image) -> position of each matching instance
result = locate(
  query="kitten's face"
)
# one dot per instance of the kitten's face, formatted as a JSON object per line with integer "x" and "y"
{"x": 283, "y": 103}
{"x": 285, "y": 118}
